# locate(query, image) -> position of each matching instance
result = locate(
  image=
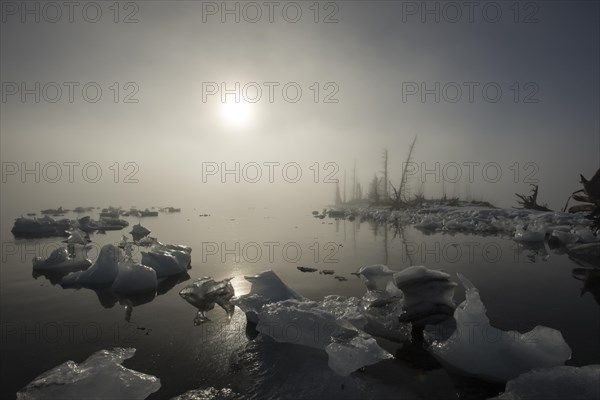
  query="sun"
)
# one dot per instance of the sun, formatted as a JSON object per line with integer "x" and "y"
{"x": 236, "y": 114}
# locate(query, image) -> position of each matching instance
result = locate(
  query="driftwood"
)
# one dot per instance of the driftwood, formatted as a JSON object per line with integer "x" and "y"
{"x": 530, "y": 202}
{"x": 592, "y": 187}
{"x": 590, "y": 194}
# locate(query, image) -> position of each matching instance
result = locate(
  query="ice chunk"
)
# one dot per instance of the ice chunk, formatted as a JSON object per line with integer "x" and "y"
{"x": 60, "y": 260}
{"x": 347, "y": 356}
{"x": 377, "y": 277}
{"x": 266, "y": 288}
{"x": 298, "y": 322}
{"x": 478, "y": 349}
{"x": 563, "y": 238}
{"x": 558, "y": 383}
{"x": 306, "y": 323}
{"x": 428, "y": 295}
{"x": 183, "y": 254}
{"x": 138, "y": 231}
{"x": 102, "y": 273}
{"x": 163, "y": 262}
{"x": 134, "y": 278}
{"x": 529, "y": 233}
{"x": 40, "y": 227}
{"x": 77, "y": 236}
{"x": 429, "y": 224}
{"x": 586, "y": 235}
{"x": 203, "y": 293}
{"x": 101, "y": 376}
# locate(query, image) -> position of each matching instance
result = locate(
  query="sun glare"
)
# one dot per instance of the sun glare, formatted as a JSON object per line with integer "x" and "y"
{"x": 237, "y": 115}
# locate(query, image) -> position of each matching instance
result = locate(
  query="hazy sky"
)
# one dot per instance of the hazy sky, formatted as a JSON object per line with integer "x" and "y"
{"x": 384, "y": 62}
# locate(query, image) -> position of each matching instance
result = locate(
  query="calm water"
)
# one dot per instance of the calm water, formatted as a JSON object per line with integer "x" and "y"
{"x": 44, "y": 325}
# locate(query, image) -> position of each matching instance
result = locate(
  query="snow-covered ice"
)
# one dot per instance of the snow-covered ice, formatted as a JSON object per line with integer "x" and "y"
{"x": 478, "y": 349}
{"x": 101, "y": 376}
{"x": 428, "y": 295}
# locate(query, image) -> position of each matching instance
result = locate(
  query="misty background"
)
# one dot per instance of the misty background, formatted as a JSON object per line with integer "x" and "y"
{"x": 370, "y": 54}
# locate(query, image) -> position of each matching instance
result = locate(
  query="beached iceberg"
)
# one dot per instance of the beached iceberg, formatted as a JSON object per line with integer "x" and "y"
{"x": 557, "y": 383}
{"x": 101, "y": 376}
{"x": 478, "y": 349}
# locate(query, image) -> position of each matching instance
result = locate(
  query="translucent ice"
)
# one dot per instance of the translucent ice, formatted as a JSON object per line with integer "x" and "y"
{"x": 203, "y": 293}
{"x": 346, "y": 357}
{"x": 101, "y": 376}
{"x": 311, "y": 324}
{"x": 378, "y": 277}
{"x": 266, "y": 288}
{"x": 478, "y": 349}
{"x": 557, "y": 383}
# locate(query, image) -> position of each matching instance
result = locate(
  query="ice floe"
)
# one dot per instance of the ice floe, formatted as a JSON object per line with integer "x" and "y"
{"x": 339, "y": 325}
{"x": 101, "y": 376}
{"x": 478, "y": 349}
{"x": 310, "y": 324}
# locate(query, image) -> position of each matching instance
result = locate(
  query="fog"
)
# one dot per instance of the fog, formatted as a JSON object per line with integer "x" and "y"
{"x": 159, "y": 136}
